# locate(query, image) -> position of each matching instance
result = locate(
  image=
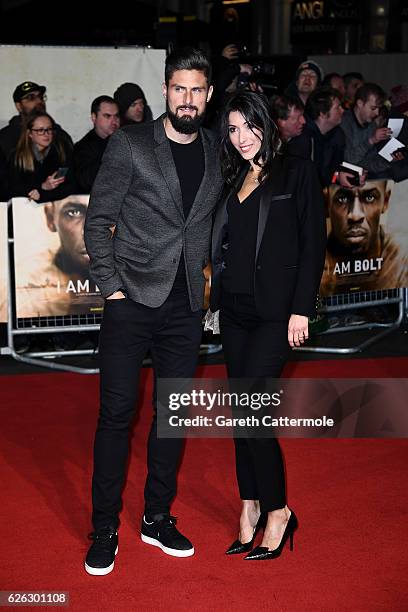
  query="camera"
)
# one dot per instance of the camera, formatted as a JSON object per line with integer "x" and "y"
{"x": 263, "y": 68}
{"x": 261, "y": 77}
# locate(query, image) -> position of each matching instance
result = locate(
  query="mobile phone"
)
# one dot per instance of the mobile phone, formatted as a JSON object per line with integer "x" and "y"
{"x": 61, "y": 172}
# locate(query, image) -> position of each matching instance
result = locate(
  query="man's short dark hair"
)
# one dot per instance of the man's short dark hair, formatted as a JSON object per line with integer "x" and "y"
{"x": 282, "y": 105}
{"x": 351, "y": 76}
{"x": 370, "y": 89}
{"x": 327, "y": 79}
{"x": 96, "y": 104}
{"x": 187, "y": 58}
{"x": 321, "y": 101}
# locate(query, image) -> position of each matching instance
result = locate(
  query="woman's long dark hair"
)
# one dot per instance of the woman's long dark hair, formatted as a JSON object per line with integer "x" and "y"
{"x": 255, "y": 108}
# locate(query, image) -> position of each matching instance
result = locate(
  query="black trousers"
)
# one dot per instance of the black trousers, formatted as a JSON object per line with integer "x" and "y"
{"x": 255, "y": 348}
{"x": 173, "y": 333}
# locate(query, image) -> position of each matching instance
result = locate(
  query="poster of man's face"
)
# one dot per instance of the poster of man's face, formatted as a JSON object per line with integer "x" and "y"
{"x": 67, "y": 218}
{"x": 355, "y": 216}
{"x": 367, "y": 237}
{"x": 51, "y": 262}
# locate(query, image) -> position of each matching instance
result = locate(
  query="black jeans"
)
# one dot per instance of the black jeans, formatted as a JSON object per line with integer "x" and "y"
{"x": 173, "y": 333}
{"x": 254, "y": 348}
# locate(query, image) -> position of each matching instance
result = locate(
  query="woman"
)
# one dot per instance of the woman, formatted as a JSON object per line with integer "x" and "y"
{"x": 267, "y": 255}
{"x": 39, "y": 160}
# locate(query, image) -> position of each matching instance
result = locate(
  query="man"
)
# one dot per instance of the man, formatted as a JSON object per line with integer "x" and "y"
{"x": 54, "y": 281}
{"x": 229, "y": 74}
{"x": 352, "y": 82}
{"x": 363, "y": 134}
{"x": 89, "y": 150}
{"x": 308, "y": 76}
{"x": 27, "y": 97}
{"x": 132, "y": 104}
{"x": 336, "y": 81}
{"x": 67, "y": 217}
{"x": 322, "y": 140}
{"x": 157, "y": 186}
{"x": 399, "y": 100}
{"x": 288, "y": 114}
{"x": 360, "y": 254}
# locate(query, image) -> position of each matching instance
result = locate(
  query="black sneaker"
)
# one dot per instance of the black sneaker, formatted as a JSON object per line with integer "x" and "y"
{"x": 101, "y": 556}
{"x": 162, "y": 532}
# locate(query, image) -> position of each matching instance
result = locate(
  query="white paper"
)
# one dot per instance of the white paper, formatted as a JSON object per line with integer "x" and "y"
{"x": 396, "y": 126}
{"x": 392, "y": 145}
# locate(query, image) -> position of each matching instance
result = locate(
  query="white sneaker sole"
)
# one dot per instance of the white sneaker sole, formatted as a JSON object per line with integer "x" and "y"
{"x": 169, "y": 551}
{"x": 101, "y": 571}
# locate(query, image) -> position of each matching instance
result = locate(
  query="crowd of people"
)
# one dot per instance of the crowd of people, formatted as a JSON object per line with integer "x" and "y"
{"x": 344, "y": 119}
{"x": 329, "y": 119}
{"x": 39, "y": 160}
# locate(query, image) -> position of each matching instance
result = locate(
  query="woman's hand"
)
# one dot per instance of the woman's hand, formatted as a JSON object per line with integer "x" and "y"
{"x": 52, "y": 182}
{"x": 34, "y": 194}
{"x": 298, "y": 330}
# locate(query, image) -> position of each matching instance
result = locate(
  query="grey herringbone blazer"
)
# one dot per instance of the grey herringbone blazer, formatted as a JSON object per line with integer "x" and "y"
{"x": 137, "y": 190}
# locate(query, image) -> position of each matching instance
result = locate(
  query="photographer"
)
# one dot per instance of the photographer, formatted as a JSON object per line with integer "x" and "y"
{"x": 229, "y": 75}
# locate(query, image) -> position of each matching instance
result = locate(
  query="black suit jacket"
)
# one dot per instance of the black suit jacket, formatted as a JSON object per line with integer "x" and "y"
{"x": 290, "y": 245}
{"x": 86, "y": 160}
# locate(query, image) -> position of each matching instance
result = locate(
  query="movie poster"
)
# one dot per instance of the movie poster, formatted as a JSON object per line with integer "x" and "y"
{"x": 51, "y": 262}
{"x": 3, "y": 262}
{"x": 367, "y": 246}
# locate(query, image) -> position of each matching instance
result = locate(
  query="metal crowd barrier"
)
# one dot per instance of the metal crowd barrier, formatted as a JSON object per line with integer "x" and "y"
{"x": 358, "y": 300}
{"x": 54, "y": 324}
{"x": 91, "y": 322}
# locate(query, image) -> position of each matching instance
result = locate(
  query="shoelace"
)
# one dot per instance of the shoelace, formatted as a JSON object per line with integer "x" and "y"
{"x": 102, "y": 538}
{"x": 168, "y": 522}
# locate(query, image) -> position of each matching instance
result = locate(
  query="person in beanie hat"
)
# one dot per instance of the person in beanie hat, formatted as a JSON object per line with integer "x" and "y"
{"x": 310, "y": 65}
{"x": 133, "y": 107}
{"x": 308, "y": 76}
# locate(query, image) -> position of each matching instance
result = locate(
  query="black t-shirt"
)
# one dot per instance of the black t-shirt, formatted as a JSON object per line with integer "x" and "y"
{"x": 189, "y": 161}
{"x": 238, "y": 276}
{"x": 190, "y": 165}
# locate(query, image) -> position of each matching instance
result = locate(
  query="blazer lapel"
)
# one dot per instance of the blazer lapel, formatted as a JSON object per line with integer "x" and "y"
{"x": 221, "y": 215}
{"x": 220, "y": 222}
{"x": 275, "y": 184}
{"x": 165, "y": 159}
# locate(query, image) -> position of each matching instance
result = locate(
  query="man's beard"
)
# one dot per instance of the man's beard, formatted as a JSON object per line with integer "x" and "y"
{"x": 186, "y": 124}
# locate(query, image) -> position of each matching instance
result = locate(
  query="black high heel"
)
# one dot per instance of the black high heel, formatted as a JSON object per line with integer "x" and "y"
{"x": 262, "y": 552}
{"x": 238, "y": 547}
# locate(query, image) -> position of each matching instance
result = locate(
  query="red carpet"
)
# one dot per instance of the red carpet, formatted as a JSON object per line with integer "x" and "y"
{"x": 350, "y": 496}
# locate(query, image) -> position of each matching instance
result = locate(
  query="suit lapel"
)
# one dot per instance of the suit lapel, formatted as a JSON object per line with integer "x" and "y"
{"x": 167, "y": 166}
{"x": 274, "y": 185}
{"x": 221, "y": 215}
{"x": 220, "y": 222}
